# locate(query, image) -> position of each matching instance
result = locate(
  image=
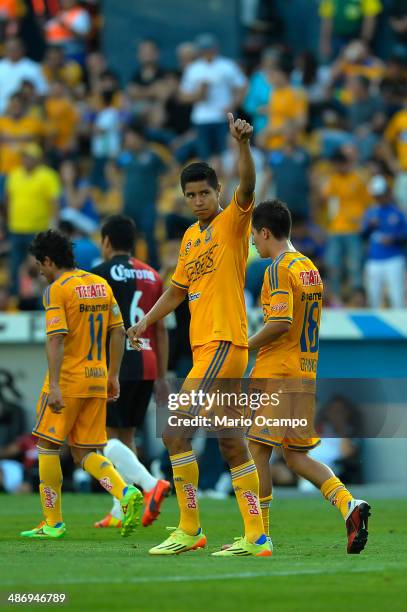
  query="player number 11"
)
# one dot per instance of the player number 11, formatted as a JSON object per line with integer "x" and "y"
{"x": 99, "y": 320}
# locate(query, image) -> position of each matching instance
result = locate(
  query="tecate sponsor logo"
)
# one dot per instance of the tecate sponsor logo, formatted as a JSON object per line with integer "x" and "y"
{"x": 190, "y": 494}
{"x": 252, "y": 502}
{"x": 89, "y": 292}
{"x": 50, "y": 497}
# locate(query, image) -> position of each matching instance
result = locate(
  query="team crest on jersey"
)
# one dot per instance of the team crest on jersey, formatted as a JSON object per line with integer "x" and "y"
{"x": 188, "y": 247}
{"x": 197, "y": 242}
{"x": 208, "y": 235}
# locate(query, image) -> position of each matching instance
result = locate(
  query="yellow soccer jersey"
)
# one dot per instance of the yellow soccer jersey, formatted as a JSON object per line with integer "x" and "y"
{"x": 212, "y": 267}
{"x": 81, "y": 306}
{"x": 292, "y": 291}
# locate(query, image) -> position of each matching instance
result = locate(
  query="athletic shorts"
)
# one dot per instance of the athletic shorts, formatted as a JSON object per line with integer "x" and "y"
{"x": 289, "y": 424}
{"x": 218, "y": 366}
{"x": 81, "y": 422}
{"x": 131, "y": 407}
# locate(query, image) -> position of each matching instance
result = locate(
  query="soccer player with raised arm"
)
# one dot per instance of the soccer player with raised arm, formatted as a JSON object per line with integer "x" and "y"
{"x": 287, "y": 356}
{"x": 211, "y": 271}
{"x": 80, "y": 310}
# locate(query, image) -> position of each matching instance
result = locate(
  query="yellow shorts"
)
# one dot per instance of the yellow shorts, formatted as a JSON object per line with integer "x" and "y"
{"x": 82, "y": 421}
{"x": 269, "y": 423}
{"x": 211, "y": 362}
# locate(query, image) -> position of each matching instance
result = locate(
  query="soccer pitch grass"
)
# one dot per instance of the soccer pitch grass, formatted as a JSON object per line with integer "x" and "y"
{"x": 99, "y": 570}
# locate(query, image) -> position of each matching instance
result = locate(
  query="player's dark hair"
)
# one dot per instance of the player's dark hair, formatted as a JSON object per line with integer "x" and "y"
{"x": 198, "y": 171}
{"x": 56, "y": 246}
{"x": 121, "y": 231}
{"x": 273, "y": 215}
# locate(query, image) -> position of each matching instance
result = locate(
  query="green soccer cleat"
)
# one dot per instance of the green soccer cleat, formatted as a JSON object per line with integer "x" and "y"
{"x": 44, "y": 531}
{"x": 132, "y": 504}
{"x": 242, "y": 548}
{"x": 179, "y": 542}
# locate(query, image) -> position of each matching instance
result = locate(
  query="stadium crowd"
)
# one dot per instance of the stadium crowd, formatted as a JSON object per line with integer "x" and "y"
{"x": 77, "y": 144}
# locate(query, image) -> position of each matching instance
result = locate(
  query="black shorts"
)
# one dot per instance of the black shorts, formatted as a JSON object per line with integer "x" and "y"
{"x": 131, "y": 407}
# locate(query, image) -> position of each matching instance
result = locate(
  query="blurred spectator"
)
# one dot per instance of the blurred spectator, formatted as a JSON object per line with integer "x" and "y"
{"x": 259, "y": 90}
{"x": 396, "y": 136}
{"x": 394, "y": 84}
{"x": 31, "y": 286}
{"x": 287, "y": 104}
{"x": 289, "y": 172}
{"x": 344, "y": 20}
{"x": 10, "y": 12}
{"x": 186, "y": 53}
{"x": 365, "y": 115}
{"x": 62, "y": 120}
{"x": 110, "y": 200}
{"x": 215, "y": 86}
{"x": 332, "y": 135}
{"x": 385, "y": 228}
{"x": 69, "y": 30}
{"x": 17, "y": 128}
{"x": 398, "y": 23}
{"x": 96, "y": 65}
{"x": 315, "y": 81}
{"x": 87, "y": 253}
{"x": 32, "y": 192}
{"x": 142, "y": 169}
{"x": 56, "y": 68}
{"x": 357, "y": 60}
{"x": 308, "y": 239}
{"x": 145, "y": 84}
{"x": 76, "y": 197}
{"x": 346, "y": 197}
{"x": 12, "y": 426}
{"x": 366, "y": 109}
{"x": 16, "y": 68}
{"x": 339, "y": 423}
{"x": 106, "y": 138}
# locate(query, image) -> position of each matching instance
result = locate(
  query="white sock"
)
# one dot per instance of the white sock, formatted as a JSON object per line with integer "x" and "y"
{"x": 128, "y": 466}
{"x": 116, "y": 510}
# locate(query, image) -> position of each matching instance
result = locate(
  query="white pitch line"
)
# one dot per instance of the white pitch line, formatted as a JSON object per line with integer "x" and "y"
{"x": 208, "y": 578}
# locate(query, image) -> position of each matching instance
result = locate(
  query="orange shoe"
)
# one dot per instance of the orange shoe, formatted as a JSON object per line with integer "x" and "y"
{"x": 109, "y": 521}
{"x": 153, "y": 500}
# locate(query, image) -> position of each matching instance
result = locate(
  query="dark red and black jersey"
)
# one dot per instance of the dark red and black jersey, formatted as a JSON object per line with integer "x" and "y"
{"x": 136, "y": 287}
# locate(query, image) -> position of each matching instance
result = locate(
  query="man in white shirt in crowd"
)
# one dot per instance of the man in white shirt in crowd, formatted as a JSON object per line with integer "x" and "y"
{"x": 16, "y": 68}
{"x": 215, "y": 85}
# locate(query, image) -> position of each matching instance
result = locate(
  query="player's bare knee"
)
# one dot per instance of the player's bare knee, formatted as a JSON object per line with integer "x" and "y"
{"x": 78, "y": 455}
{"x": 259, "y": 451}
{"x": 175, "y": 444}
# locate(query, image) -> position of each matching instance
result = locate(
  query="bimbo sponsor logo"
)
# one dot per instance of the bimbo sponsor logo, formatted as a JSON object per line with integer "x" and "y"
{"x": 252, "y": 502}
{"x": 89, "y": 292}
{"x": 280, "y": 306}
{"x": 54, "y": 321}
{"x": 190, "y": 494}
{"x": 106, "y": 483}
{"x": 50, "y": 497}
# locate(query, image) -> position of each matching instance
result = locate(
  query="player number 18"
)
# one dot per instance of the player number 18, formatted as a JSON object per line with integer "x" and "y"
{"x": 310, "y": 330}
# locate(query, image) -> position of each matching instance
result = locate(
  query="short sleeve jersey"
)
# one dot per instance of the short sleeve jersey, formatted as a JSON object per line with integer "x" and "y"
{"x": 81, "y": 306}
{"x": 292, "y": 292}
{"x": 211, "y": 268}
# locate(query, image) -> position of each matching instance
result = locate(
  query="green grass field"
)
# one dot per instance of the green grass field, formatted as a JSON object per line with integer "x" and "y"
{"x": 98, "y": 570}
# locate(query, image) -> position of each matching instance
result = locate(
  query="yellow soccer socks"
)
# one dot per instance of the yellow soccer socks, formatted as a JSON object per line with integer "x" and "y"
{"x": 102, "y": 469}
{"x": 337, "y": 494}
{"x": 245, "y": 481}
{"x": 186, "y": 474}
{"x": 265, "y": 503}
{"x": 50, "y": 485}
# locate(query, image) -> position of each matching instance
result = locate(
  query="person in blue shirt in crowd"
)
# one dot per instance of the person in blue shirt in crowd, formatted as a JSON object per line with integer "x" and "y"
{"x": 142, "y": 168}
{"x": 260, "y": 90}
{"x": 86, "y": 252}
{"x": 384, "y": 226}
